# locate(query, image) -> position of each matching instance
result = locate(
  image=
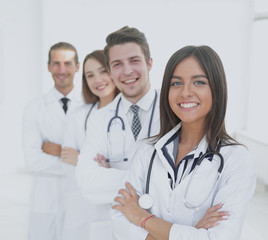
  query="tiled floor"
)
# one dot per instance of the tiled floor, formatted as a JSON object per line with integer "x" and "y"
{"x": 14, "y": 198}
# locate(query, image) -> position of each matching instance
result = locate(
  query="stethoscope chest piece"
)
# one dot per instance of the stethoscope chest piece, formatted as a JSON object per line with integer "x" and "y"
{"x": 146, "y": 201}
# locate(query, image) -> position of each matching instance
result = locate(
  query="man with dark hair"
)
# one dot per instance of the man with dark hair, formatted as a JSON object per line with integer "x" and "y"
{"x": 134, "y": 113}
{"x": 43, "y": 129}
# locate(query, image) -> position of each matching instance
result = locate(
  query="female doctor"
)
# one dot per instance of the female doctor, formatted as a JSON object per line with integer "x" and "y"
{"x": 98, "y": 90}
{"x": 196, "y": 163}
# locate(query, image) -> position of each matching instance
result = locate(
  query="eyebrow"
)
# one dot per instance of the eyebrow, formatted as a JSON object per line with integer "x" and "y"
{"x": 100, "y": 68}
{"x": 119, "y": 60}
{"x": 195, "y": 76}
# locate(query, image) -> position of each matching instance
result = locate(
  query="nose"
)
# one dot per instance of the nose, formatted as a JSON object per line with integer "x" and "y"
{"x": 187, "y": 91}
{"x": 127, "y": 69}
{"x": 98, "y": 78}
{"x": 62, "y": 68}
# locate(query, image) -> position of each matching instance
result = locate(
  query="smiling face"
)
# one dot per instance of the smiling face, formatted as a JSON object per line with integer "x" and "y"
{"x": 129, "y": 70}
{"x": 98, "y": 79}
{"x": 63, "y": 67}
{"x": 190, "y": 96}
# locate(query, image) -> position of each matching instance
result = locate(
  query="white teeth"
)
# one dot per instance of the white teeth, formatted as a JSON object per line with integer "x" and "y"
{"x": 100, "y": 87}
{"x": 130, "y": 81}
{"x": 188, "y": 105}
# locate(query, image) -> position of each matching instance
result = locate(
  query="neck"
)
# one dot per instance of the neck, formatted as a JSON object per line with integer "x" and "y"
{"x": 134, "y": 99}
{"x": 105, "y": 100}
{"x": 191, "y": 134}
{"x": 65, "y": 91}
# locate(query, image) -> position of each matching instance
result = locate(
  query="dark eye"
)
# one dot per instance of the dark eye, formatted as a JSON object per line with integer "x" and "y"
{"x": 116, "y": 65}
{"x": 134, "y": 60}
{"x": 89, "y": 76}
{"x": 103, "y": 71}
{"x": 176, "y": 84}
{"x": 200, "y": 82}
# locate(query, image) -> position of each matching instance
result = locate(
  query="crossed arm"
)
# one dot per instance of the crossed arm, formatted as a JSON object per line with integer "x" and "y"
{"x": 67, "y": 154}
{"x": 157, "y": 227}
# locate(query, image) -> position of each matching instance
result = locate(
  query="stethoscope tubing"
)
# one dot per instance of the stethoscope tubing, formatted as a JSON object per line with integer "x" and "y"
{"x": 123, "y": 124}
{"x": 88, "y": 115}
{"x": 207, "y": 154}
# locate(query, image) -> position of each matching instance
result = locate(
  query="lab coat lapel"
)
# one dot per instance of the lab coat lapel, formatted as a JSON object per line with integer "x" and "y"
{"x": 54, "y": 116}
{"x": 159, "y": 145}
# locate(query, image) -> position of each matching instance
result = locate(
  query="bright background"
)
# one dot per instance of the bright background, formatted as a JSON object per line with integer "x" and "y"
{"x": 236, "y": 29}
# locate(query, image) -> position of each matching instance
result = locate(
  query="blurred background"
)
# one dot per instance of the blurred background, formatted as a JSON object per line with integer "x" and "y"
{"x": 236, "y": 29}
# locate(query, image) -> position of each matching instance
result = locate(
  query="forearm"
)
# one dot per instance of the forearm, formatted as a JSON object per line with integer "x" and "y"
{"x": 157, "y": 228}
{"x": 52, "y": 148}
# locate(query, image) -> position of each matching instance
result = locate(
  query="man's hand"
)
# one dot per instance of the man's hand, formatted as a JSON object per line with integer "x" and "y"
{"x": 51, "y": 148}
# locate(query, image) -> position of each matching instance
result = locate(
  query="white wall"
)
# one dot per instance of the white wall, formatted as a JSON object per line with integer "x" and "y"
{"x": 20, "y": 80}
{"x": 20, "y": 76}
{"x": 255, "y": 134}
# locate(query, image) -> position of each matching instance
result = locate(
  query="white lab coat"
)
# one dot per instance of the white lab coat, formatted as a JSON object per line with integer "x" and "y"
{"x": 234, "y": 188}
{"x": 44, "y": 120}
{"x": 83, "y": 221}
{"x": 99, "y": 185}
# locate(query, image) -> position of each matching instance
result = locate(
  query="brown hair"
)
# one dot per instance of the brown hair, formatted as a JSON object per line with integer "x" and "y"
{"x": 211, "y": 64}
{"x": 126, "y": 35}
{"x": 64, "y": 46}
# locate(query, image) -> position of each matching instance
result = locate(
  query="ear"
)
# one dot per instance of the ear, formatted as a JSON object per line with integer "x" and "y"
{"x": 150, "y": 64}
{"x": 48, "y": 67}
{"x": 77, "y": 66}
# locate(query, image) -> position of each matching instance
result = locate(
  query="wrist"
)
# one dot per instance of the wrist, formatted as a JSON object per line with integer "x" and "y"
{"x": 145, "y": 220}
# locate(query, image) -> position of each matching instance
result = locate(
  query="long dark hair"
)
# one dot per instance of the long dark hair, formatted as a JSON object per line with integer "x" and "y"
{"x": 211, "y": 64}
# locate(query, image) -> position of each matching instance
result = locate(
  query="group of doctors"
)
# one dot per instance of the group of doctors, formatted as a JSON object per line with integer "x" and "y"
{"x": 180, "y": 175}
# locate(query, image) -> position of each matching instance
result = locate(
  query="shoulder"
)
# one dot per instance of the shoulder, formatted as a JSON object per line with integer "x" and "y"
{"x": 238, "y": 157}
{"x": 35, "y": 104}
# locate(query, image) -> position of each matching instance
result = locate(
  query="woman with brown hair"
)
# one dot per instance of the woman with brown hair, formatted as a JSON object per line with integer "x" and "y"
{"x": 192, "y": 165}
{"x": 98, "y": 90}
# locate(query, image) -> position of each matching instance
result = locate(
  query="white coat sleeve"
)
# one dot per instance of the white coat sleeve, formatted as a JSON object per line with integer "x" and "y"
{"x": 97, "y": 184}
{"x": 122, "y": 228}
{"x": 237, "y": 187}
{"x": 238, "y": 184}
{"x": 32, "y": 141}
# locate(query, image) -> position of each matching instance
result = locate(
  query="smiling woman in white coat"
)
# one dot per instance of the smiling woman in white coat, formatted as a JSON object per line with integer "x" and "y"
{"x": 192, "y": 164}
{"x": 85, "y": 221}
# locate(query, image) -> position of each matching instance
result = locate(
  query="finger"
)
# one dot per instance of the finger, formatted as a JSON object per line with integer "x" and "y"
{"x": 210, "y": 225}
{"x": 215, "y": 208}
{"x": 96, "y": 160}
{"x": 117, "y": 207}
{"x": 217, "y": 214}
{"x": 131, "y": 189}
{"x": 124, "y": 193}
{"x": 120, "y": 200}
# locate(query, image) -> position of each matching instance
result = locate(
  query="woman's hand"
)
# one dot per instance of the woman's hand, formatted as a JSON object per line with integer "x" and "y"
{"x": 212, "y": 217}
{"x": 129, "y": 206}
{"x": 69, "y": 155}
{"x": 101, "y": 160}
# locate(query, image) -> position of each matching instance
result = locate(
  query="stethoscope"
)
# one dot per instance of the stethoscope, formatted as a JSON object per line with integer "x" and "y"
{"x": 116, "y": 116}
{"x": 146, "y": 200}
{"x": 88, "y": 115}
